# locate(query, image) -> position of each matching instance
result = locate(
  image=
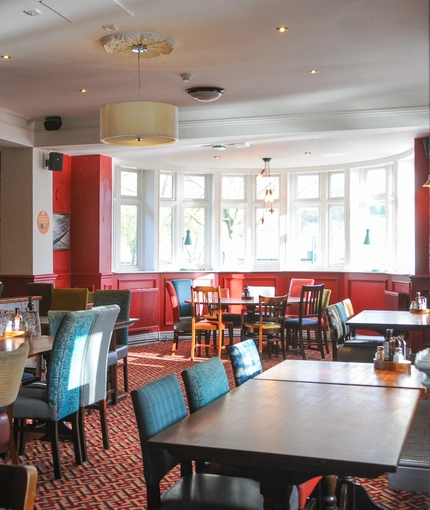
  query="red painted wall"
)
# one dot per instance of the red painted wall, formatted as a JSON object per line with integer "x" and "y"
{"x": 62, "y": 201}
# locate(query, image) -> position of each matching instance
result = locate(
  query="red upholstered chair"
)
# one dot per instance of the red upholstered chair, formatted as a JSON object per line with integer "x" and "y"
{"x": 295, "y": 290}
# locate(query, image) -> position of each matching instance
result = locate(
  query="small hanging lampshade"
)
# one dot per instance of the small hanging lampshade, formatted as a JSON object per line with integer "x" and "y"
{"x": 367, "y": 238}
{"x": 188, "y": 241}
{"x": 138, "y": 123}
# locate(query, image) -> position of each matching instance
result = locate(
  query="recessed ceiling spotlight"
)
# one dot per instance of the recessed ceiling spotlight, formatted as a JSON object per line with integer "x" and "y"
{"x": 282, "y": 30}
{"x": 217, "y": 157}
{"x": 308, "y": 153}
{"x": 6, "y": 57}
{"x": 83, "y": 90}
{"x": 186, "y": 77}
{"x": 205, "y": 94}
{"x": 313, "y": 71}
{"x": 109, "y": 28}
{"x": 32, "y": 12}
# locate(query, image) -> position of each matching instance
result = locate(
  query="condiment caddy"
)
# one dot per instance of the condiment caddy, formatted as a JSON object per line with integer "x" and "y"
{"x": 393, "y": 354}
{"x": 419, "y": 304}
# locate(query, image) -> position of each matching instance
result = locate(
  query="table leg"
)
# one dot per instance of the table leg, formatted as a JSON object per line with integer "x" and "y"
{"x": 328, "y": 492}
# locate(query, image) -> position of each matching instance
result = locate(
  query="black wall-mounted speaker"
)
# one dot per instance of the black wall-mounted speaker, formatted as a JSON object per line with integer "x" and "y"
{"x": 53, "y": 123}
{"x": 426, "y": 142}
{"x": 55, "y": 161}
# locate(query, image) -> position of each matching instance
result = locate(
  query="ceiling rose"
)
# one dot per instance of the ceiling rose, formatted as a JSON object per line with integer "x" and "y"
{"x": 122, "y": 43}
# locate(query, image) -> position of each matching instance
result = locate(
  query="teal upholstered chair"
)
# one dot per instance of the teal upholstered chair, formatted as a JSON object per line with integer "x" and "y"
{"x": 122, "y": 298}
{"x": 183, "y": 291}
{"x": 95, "y": 365}
{"x": 205, "y": 382}
{"x": 345, "y": 347}
{"x": 157, "y": 405}
{"x": 59, "y": 399}
{"x": 245, "y": 361}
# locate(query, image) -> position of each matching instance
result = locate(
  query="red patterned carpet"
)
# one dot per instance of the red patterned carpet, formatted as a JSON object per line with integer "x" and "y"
{"x": 113, "y": 479}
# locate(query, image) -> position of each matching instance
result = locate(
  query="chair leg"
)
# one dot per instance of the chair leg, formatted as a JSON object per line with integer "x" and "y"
{"x": 175, "y": 343}
{"x": 125, "y": 373}
{"x": 299, "y": 333}
{"x": 53, "y": 435}
{"x": 83, "y": 440}
{"x": 11, "y": 442}
{"x": 193, "y": 343}
{"x": 74, "y": 419}
{"x": 104, "y": 424}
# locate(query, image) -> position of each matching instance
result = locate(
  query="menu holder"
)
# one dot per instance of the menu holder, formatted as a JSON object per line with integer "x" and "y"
{"x": 403, "y": 366}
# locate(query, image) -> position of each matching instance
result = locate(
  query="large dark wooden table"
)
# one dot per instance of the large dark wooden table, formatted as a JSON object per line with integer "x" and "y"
{"x": 291, "y": 431}
{"x": 338, "y": 372}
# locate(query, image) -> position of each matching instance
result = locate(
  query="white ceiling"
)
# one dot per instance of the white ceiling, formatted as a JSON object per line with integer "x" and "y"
{"x": 369, "y": 99}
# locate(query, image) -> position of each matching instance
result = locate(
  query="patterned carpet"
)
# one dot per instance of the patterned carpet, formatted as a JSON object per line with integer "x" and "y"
{"x": 113, "y": 479}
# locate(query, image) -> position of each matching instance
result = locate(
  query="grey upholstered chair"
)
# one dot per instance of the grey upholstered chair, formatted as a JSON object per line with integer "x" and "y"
{"x": 122, "y": 298}
{"x": 94, "y": 372}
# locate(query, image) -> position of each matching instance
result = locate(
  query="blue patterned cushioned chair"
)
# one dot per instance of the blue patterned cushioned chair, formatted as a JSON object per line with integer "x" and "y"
{"x": 183, "y": 291}
{"x": 94, "y": 372}
{"x": 59, "y": 399}
{"x": 245, "y": 361}
{"x": 157, "y": 405}
{"x": 121, "y": 298}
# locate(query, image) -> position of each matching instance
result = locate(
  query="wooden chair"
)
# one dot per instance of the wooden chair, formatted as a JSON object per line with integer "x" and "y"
{"x": 181, "y": 326}
{"x": 309, "y": 319}
{"x": 206, "y": 317}
{"x": 11, "y": 369}
{"x": 270, "y": 322}
{"x": 191, "y": 491}
{"x": 17, "y": 487}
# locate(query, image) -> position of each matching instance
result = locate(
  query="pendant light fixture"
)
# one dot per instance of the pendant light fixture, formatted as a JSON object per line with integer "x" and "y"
{"x": 138, "y": 123}
{"x": 269, "y": 196}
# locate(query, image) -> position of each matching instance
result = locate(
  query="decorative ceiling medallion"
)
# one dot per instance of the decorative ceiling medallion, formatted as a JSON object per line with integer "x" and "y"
{"x": 122, "y": 43}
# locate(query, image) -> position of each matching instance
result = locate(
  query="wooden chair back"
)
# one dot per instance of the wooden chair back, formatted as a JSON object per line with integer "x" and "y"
{"x": 17, "y": 487}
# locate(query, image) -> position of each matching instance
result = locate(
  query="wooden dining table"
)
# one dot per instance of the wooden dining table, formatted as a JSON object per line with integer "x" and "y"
{"x": 338, "y": 372}
{"x": 390, "y": 319}
{"x": 290, "y": 431}
{"x": 38, "y": 345}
